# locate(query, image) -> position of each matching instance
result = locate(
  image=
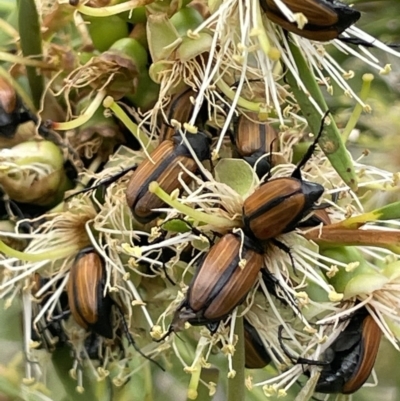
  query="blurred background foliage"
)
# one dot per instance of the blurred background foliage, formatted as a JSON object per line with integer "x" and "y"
{"x": 378, "y": 132}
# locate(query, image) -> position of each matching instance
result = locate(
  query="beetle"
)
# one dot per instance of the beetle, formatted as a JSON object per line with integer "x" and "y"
{"x": 319, "y": 216}
{"x": 256, "y": 356}
{"x": 351, "y": 357}
{"x": 180, "y": 109}
{"x": 253, "y": 140}
{"x": 85, "y": 288}
{"x": 90, "y": 308}
{"x": 326, "y": 19}
{"x": 220, "y": 284}
{"x": 164, "y": 167}
{"x": 279, "y": 204}
{"x": 12, "y": 110}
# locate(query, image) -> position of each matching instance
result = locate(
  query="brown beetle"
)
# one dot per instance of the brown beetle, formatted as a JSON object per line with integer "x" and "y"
{"x": 220, "y": 284}
{"x": 89, "y": 307}
{"x": 180, "y": 109}
{"x": 253, "y": 140}
{"x": 278, "y": 205}
{"x": 351, "y": 357}
{"x": 256, "y": 356}
{"x": 164, "y": 167}
{"x": 326, "y": 19}
{"x": 12, "y": 111}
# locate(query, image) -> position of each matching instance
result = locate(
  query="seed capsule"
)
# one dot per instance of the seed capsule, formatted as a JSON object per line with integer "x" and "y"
{"x": 351, "y": 356}
{"x": 220, "y": 284}
{"x": 326, "y": 19}
{"x": 164, "y": 167}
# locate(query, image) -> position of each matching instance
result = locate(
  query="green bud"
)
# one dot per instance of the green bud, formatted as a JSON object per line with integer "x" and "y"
{"x": 33, "y": 172}
{"x": 235, "y": 173}
{"x": 105, "y": 31}
{"x": 186, "y": 18}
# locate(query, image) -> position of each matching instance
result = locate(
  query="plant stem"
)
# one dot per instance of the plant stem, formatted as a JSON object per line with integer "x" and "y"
{"x": 236, "y": 388}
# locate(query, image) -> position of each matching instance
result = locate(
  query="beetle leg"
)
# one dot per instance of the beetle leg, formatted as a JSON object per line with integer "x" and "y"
{"x": 105, "y": 182}
{"x": 297, "y": 172}
{"x": 298, "y": 360}
{"x": 283, "y": 247}
{"x": 131, "y": 341}
{"x": 271, "y": 282}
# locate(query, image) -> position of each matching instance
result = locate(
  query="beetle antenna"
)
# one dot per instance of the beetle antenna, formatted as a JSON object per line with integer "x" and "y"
{"x": 362, "y": 42}
{"x": 163, "y": 337}
{"x": 105, "y": 182}
{"x": 297, "y": 172}
{"x": 132, "y": 341}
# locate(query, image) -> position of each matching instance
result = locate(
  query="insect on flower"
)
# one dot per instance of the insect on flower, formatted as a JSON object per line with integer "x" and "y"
{"x": 281, "y": 203}
{"x": 325, "y": 19}
{"x": 164, "y": 166}
{"x": 253, "y": 140}
{"x": 91, "y": 309}
{"x": 351, "y": 357}
{"x": 256, "y": 356}
{"x": 220, "y": 284}
{"x": 180, "y": 109}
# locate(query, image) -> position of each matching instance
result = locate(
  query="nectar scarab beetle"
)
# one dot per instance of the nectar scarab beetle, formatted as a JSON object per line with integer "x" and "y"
{"x": 351, "y": 357}
{"x": 279, "y": 204}
{"x": 256, "y": 356}
{"x": 181, "y": 109}
{"x": 325, "y": 19}
{"x": 164, "y": 166}
{"x": 254, "y": 139}
{"x": 222, "y": 281}
{"x": 89, "y": 307}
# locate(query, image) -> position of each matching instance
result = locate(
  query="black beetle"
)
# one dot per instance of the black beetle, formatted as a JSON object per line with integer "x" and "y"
{"x": 164, "y": 167}
{"x": 222, "y": 280}
{"x": 351, "y": 357}
{"x": 326, "y": 19}
{"x": 279, "y": 204}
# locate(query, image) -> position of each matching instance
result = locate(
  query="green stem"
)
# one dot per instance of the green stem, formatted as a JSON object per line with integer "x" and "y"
{"x": 31, "y": 45}
{"x": 201, "y": 217}
{"x": 331, "y": 142}
{"x": 230, "y": 94}
{"x": 367, "y": 79}
{"x": 236, "y": 387}
{"x": 143, "y": 139}
{"x": 38, "y": 257}
{"x": 83, "y": 118}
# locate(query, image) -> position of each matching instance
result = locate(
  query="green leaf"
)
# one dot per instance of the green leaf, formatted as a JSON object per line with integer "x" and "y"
{"x": 31, "y": 45}
{"x": 364, "y": 284}
{"x": 162, "y": 36}
{"x": 331, "y": 142}
{"x": 236, "y": 173}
